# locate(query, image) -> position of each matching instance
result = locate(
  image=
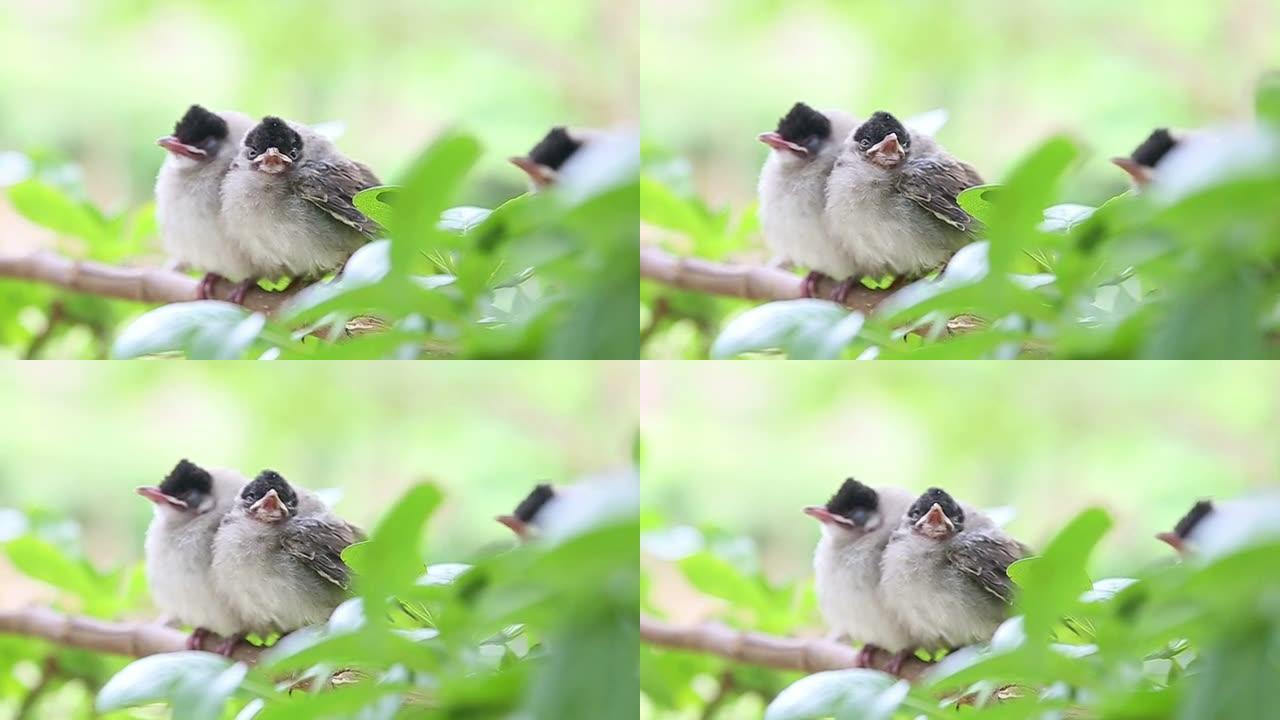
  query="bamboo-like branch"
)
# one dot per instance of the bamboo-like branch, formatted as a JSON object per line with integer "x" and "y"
{"x": 755, "y": 648}
{"x": 743, "y": 281}
{"x": 141, "y": 284}
{"x": 132, "y": 639}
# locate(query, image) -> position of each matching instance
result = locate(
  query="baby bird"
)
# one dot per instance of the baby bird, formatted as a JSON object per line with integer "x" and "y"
{"x": 189, "y": 194}
{"x": 856, "y": 524}
{"x": 1213, "y": 529}
{"x": 189, "y": 505}
{"x": 287, "y": 201}
{"x": 792, "y": 190}
{"x": 525, "y": 520}
{"x": 891, "y": 204}
{"x": 1141, "y": 163}
{"x": 277, "y": 559}
{"x": 945, "y": 574}
{"x": 544, "y": 161}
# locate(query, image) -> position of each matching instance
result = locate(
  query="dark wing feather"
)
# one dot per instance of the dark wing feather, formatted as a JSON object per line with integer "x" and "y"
{"x": 934, "y": 181}
{"x": 331, "y": 186}
{"x": 987, "y": 559}
{"x": 318, "y": 543}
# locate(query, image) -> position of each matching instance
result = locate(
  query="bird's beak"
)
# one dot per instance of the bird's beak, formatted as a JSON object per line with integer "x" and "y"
{"x": 935, "y": 523}
{"x": 888, "y": 152}
{"x": 269, "y": 508}
{"x": 272, "y": 161}
{"x": 777, "y": 142}
{"x": 177, "y": 147}
{"x": 826, "y": 517}
{"x": 1173, "y": 541}
{"x": 1140, "y": 174}
{"x": 156, "y": 496}
{"x": 540, "y": 174}
{"x": 518, "y": 526}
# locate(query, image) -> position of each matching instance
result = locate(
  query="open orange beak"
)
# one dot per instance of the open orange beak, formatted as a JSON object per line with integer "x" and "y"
{"x": 517, "y": 526}
{"x": 541, "y": 175}
{"x": 1140, "y": 174}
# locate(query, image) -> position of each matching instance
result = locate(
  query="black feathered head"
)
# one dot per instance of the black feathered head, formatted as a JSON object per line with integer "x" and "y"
{"x": 554, "y": 148}
{"x": 199, "y": 126}
{"x": 533, "y": 503}
{"x": 1193, "y": 517}
{"x": 256, "y": 497}
{"x": 273, "y": 132}
{"x": 854, "y": 501}
{"x": 186, "y": 488}
{"x": 936, "y": 524}
{"x": 1154, "y": 148}
{"x": 801, "y": 132}
{"x": 878, "y": 127}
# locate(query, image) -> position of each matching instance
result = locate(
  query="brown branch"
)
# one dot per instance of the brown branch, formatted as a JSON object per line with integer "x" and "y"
{"x": 768, "y": 650}
{"x": 140, "y": 284}
{"x": 743, "y": 281}
{"x": 133, "y": 639}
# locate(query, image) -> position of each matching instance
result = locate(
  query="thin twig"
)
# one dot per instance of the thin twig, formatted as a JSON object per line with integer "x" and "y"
{"x": 151, "y": 285}
{"x": 132, "y": 639}
{"x": 755, "y": 648}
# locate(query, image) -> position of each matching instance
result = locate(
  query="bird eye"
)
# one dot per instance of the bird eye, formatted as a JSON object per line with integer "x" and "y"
{"x": 864, "y": 143}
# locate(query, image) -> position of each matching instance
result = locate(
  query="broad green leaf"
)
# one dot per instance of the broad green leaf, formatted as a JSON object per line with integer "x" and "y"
{"x": 377, "y": 202}
{"x": 196, "y": 684}
{"x": 391, "y": 558}
{"x": 427, "y": 190}
{"x": 855, "y": 694}
{"x": 1051, "y": 583}
{"x": 806, "y": 329}
{"x": 49, "y": 207}
{"x": 41, "y": 560}
{"x": 203, "y": 329}
{"x": 464, "y": 218}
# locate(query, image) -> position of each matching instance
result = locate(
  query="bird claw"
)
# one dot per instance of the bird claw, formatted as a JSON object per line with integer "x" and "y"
{"x": 196, "y": 641}
{"x": 205, "y": 290}
{"x": 228, "y": 646}
{"x": 867, "y": 655}
{"x": 809, "y": 288}
{"x": 898, "y": 660}
{"x": 841, "y": 293}
{"x": 241, "y": 290}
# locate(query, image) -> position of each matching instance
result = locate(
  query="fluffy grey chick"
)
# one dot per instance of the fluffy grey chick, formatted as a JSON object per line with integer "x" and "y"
{"x": 1141, "y": 163}
{"x": 189, "y": 194}
{"x": 945, "y": 573}
{"x": 1213, "y": 529}
{"x": 891, "y": 203}
{"x": 189, "y": 505}
{"x": 287, "y": 201}
{"x": 792, "y": 190}
{"x": 856, "y": 524}
{"x": 277, "y": 558}
{"x": 542, "y": 164}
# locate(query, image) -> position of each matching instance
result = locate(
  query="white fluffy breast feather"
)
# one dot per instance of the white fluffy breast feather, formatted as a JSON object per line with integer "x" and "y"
{"x": 848, "y": 579}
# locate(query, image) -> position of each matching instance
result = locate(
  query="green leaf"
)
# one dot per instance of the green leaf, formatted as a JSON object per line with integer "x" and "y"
{"x": 1017, "y": 209}
{"x": 49, "y": 207}
{"x": 204, "y": 329}
{"x": 1064, "y": 217}
{"x": 464, "y": 218}
{"x": 1267, "y": 100}
{"x": 856, "y": 694}
{"x": 806, "y": 329}
{"x": 428, "y": 189}
{"x": 390, "y": 557}
{"x": 41, "y": 560}
{"x": 1051, "y": 583}
{"x": 377, "y": 202}
{"x": 196, "y": 684}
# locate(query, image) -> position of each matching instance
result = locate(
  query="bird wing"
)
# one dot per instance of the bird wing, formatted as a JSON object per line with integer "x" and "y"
{"x": 318, "y": 543}
{"x": 934, "y": 181}
{"x": 987, "y": 559}
{"x": 332, "y": 185}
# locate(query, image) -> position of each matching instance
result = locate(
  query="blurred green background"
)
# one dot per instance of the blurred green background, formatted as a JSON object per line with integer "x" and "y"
{"x": 744, "y": 446}
{"x": 78, "y": 438}
{"x": 715, "y": 73}
{"x": 95, "y": 82}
